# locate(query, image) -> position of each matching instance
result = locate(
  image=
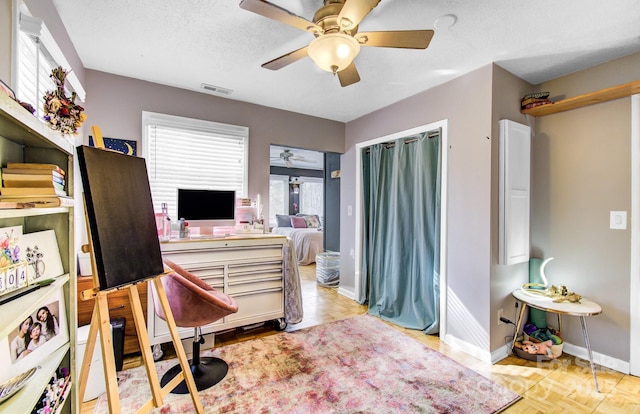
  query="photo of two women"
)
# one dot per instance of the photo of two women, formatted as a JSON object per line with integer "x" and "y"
{"x": 34, "y": 331}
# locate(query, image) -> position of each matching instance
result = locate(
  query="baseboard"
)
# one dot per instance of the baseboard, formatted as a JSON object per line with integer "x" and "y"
{"x": 347, "y": 292}
{"x": 501, "y": 353}
{"x": 468, "y": 348}
{"x": 600, "y": 359}
{"x": 577, "y": 351}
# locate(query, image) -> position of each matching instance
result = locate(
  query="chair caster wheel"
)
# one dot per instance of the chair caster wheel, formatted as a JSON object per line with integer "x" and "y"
{"x": 281, "y": 324}
{"x": 157, "y": 352}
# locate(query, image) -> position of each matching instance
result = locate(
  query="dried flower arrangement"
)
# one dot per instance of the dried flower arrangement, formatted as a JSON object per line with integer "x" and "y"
{"x": 61, "y": 112}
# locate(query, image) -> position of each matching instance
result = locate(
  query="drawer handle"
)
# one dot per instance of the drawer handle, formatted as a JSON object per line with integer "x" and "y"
{"x": 117, "y": 307}
{"x": 248, "y": 264}
{"x": 194, "y": 267}
{"x": 254, "y": 292}
{"x": 247, "y": 281}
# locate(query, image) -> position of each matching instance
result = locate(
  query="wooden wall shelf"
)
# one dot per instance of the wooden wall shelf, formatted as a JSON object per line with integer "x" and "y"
{"x": 587, "y": 99}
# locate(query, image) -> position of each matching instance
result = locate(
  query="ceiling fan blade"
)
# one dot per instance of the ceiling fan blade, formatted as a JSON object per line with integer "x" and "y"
{"x": 274, "y": 12}
{"x": 408, "y": 39}
{"x": 349, "y": 75}
{"x": 284, "y": 60}
{"x": 354, "y": 11}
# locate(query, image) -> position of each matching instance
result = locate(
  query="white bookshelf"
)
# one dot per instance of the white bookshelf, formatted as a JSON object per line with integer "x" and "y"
{"x": 23, "y": 138}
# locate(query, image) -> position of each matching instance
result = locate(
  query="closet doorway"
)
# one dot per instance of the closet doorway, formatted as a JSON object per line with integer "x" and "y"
{"x": 362, "y": 251}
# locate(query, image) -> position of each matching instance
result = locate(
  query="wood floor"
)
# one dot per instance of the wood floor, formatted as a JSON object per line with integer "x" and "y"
{"x": 566, "y": 386}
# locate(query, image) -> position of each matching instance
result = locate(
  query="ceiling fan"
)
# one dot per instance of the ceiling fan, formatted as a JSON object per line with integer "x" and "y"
{"x": 289, "y": 157}
{"x": 337, "y": 40}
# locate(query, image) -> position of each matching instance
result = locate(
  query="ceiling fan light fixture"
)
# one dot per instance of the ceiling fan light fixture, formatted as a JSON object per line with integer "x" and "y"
{"x": 333, "y": 52}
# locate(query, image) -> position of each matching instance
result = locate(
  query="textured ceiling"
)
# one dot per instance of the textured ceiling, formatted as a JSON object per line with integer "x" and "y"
{"x": 190, "y": 42}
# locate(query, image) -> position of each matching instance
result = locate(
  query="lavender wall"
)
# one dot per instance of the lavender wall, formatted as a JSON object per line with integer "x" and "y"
{"x": 116, "y": 103}
{"x": 466, "y": 103}
{"x": 5, "y": 41}
{"x": 581, "y": 172}
{"x": 507, "y": 92}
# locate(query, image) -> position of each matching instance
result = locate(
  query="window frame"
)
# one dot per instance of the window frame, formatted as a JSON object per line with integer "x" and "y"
{"x": 198, "y": 126}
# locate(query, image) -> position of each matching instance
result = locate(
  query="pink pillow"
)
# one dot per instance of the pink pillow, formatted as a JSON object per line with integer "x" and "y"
{"x": 298, "y": 222}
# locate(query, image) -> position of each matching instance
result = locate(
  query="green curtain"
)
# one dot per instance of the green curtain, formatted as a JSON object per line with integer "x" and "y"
{"x": 401, "y": 231}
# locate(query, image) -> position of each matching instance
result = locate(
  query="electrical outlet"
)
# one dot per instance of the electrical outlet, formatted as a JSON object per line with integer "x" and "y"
{"x": 500, "y": 315}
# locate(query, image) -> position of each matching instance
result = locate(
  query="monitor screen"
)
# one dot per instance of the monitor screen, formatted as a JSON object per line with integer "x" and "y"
{"x": 207, "y": 207}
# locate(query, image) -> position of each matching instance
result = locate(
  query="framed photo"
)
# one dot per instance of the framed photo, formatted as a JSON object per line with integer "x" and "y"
{"x": 9, "y": 245}
{"x": 125, "y": 146}
{"x": 7, "y": 90}
{"x": 9, "y": 256}
{"x": 43, "y": 330}
{"x": 40, "y": 250}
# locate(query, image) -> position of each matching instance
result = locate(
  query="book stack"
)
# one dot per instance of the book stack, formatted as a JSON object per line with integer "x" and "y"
{"x": 535, "y": 99}
{"x": 33, "y": 184}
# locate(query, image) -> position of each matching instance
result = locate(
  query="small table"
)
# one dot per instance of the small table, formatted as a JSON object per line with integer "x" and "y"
{"x": 582, "y": 310}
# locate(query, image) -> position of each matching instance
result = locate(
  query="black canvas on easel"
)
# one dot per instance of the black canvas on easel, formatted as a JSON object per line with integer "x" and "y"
{"x": 121, "y": 217}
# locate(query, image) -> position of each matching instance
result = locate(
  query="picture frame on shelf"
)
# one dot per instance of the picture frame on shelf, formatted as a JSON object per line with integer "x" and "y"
{"x": 40, "y": 250}
{"x": 43, "y": 330}
{"x": 9, "y": 245}
{"x": 9, "y": 257}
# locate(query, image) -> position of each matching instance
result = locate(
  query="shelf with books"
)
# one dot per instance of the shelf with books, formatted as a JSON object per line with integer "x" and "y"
{"x": 48, "y": 180}
{"x": 24, "y": 139}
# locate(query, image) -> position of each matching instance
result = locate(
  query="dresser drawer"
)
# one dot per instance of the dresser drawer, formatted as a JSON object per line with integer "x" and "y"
{"x": 240, "y": 269}
{"x": 212, "y": 276}
{"x": 210, "y": 257}
{"x": 267, "y": 304}
{"x": 248, "y": 284}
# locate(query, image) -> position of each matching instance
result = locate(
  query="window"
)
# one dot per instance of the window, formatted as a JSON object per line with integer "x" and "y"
{"x": 37, "y": 54}
{"x": 278, "y": 197}
{"x": 195, "y": 154}
{"x": 312, "y": 196}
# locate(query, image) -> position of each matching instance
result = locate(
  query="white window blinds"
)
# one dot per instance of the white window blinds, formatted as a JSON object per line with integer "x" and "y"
{"x": 37, "y": 55}
{"x": 33, "y": 72}
{"x": 278, "y": 197}
{"x": 312, "y": 196}
{"x": 195, "y": 154}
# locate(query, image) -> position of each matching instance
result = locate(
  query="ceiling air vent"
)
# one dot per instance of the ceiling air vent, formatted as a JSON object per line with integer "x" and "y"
{"x": 215, "y": 89}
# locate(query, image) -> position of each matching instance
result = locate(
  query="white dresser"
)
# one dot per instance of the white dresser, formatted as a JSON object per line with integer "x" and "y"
{"x": 248, "y": 267}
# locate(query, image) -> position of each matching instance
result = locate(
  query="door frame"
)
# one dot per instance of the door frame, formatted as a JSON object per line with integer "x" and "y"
{"x": 444, "y": 154}
{"x": 634, "y": 308}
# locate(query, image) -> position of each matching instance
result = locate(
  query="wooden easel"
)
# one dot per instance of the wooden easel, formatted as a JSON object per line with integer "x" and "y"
{"x": 100, "y": 321}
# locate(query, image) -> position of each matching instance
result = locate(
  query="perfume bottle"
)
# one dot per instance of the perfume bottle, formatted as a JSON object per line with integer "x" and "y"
{"x": 166, "y": 222}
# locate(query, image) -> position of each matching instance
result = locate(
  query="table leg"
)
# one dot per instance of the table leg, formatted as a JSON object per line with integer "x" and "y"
{"x": 519, "y": 325}
{"x": 583, "y": 322}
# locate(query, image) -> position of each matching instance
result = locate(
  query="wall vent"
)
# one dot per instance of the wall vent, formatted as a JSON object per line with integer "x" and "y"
{"x": 216, "y": 89}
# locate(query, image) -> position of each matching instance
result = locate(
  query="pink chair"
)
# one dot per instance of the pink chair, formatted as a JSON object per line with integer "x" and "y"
{"x": 194, "y": 303}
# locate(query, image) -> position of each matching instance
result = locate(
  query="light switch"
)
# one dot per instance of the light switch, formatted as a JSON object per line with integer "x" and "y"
{"x": 349, "y": 210}
{"x": 618, "y": 220}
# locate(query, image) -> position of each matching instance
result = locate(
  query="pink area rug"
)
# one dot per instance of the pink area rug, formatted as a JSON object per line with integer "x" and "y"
{"x": 356, "y": 365}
